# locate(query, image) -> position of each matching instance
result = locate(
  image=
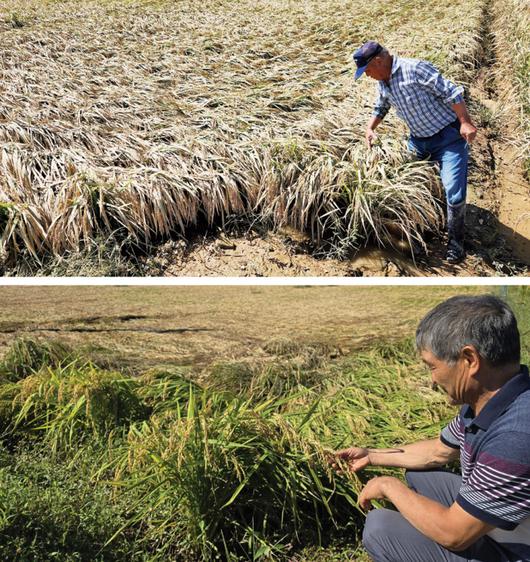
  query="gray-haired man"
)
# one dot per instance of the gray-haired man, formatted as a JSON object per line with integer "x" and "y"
{"x": 471, "y": 346}
{"x": 436, "y": 114}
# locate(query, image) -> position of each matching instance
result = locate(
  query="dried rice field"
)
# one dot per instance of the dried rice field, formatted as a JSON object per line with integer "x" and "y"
{"x": 125, "y": 124}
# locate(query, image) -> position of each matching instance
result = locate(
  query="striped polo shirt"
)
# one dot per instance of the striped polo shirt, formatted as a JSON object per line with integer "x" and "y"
{"x": 421, "y": 96}
{"x": 495, "y": 461}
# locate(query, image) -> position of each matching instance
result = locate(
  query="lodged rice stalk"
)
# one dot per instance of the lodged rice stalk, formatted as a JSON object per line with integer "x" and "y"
{"x": 148, "y": 119}
{"x": 191, "y": 471}
{"x": 62, "y": 405}
{"x": 26, "y": 356}
{"x": 223, "y": 477}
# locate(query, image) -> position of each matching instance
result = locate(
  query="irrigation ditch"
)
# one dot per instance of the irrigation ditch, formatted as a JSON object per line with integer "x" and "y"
{"x": 500, "y": 200}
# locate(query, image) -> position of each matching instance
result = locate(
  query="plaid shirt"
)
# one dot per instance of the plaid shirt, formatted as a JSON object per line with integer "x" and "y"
{"x": 421, "y": 95}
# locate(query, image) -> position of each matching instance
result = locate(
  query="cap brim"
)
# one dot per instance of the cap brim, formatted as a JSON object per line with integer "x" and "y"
{"x": 360, "y": 71}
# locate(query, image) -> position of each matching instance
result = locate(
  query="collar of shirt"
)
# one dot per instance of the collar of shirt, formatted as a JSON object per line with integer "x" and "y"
{"x": 396, "y": 63}
{"x": 499, "y": 402}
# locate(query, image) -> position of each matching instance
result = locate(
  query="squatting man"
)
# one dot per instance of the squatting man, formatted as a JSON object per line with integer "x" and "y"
{"x": 440, "y": 126}
{"x": 471, "y": 346}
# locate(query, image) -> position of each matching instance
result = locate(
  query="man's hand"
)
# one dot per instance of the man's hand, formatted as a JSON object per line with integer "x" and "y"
{"x": 370, "y": 137}
{"x": 356, "y": 458}
{"x": 375, "y": 490}
{"x": 468, "y": 131}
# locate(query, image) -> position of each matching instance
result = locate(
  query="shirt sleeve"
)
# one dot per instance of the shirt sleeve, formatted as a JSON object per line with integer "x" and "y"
{"x": 498, "y": 488}
{"x": 451, "y": 434}
{"x": 430, "y": 78}
{"x": 382, "y": 104}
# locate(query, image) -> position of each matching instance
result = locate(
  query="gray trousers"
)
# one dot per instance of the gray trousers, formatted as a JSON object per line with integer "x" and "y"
{"x": 389, "y": 537}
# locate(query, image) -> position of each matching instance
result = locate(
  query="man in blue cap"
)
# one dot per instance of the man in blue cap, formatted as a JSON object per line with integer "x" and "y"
{"x": 436, "y": 114}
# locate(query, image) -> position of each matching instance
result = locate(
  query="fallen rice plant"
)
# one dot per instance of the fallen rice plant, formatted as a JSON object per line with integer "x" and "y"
{"x": 229, "y": 479}
{"x": 27, "y": 356}
{"x": 198, "y": 473}
{"x": 146, "y": 118}
{"x": 62, "y": 405}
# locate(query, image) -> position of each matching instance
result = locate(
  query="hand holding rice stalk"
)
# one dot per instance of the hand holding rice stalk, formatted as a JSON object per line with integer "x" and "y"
{"x": 355, "y": 459}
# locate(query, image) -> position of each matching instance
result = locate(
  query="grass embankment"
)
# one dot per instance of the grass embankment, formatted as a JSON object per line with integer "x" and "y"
{"x": 512, "y": 42}
{"x": 146, "y": 119}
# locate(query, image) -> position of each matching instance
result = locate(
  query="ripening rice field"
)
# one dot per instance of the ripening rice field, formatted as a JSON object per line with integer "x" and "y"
{"x": 228, "y": 461}
{"x": 126, "y": 123}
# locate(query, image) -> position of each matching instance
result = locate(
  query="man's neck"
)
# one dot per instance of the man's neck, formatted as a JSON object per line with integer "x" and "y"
{"x": 491, "y": 382}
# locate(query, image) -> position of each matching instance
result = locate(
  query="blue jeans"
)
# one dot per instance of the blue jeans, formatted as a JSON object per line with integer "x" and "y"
{"x": 450, "y": 150}
{"x": 389, "y": 537}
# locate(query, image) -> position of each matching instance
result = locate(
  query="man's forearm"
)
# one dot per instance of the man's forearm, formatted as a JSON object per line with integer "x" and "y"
{"x": 461, "y": 112}
{"x": 421, "y": 455}
{"x": 373, "y": 123}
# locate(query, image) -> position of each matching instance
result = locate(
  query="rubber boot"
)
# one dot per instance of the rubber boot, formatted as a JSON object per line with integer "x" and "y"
{"x": 456, "y": 217}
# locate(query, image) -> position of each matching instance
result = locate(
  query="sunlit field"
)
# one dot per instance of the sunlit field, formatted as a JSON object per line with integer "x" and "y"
{"x": 226, "y": 459}
{"x": 125, "y": 123}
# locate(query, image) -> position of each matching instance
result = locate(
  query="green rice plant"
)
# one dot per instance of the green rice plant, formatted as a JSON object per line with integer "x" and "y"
{"x": 379, "y": 398}
{"x": 62, "y": 405}
{"x": 290, "y": 367}
{"x": 231, "y": 376}
{"x": 519, "y": 300}
{"x": 162, "y": 391}
{"x": 26, "y": 356}
{"x": 230, "y": 479}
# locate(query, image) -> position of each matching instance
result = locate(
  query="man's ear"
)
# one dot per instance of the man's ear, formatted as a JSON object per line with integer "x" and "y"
{"x": 472, "y": 358}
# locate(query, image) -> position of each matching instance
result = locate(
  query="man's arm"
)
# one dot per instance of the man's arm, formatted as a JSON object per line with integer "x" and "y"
{"x": 370, "y": 135}
{"x": 452, "y": 527}
{"x": 467, "y": 129}
{"x": 381, "y": 108}
{"x": 421, "y": 455}
{"x": 429, "y": 77}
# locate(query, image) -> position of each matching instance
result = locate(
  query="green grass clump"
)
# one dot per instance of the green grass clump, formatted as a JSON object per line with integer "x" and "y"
{"x": 51, "y": 510}
{"x": 62, "y": 404}
{"x": 27, "y": 355}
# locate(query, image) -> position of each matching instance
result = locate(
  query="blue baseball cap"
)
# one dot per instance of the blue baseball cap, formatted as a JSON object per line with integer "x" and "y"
{"x": 364, "y": 55}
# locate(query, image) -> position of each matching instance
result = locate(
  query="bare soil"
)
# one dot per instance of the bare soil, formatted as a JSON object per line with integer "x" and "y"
{"x": 514, "y": 212}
